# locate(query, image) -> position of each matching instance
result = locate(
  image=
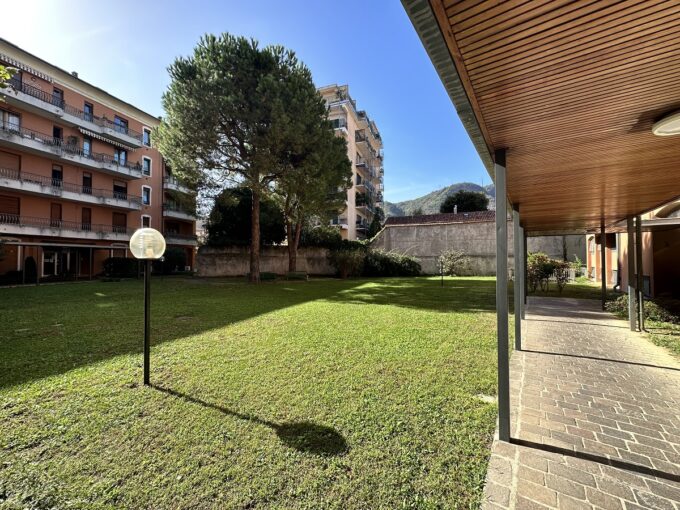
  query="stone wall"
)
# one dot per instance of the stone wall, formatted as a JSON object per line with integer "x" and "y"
{"x": 477, "y": 239}
{"x": 235, "y": 261}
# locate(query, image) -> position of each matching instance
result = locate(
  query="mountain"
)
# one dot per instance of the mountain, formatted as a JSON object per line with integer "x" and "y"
{"x": 431, "y": 202}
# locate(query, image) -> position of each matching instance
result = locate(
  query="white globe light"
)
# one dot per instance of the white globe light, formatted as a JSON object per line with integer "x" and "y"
{"x": 147, "y": 243}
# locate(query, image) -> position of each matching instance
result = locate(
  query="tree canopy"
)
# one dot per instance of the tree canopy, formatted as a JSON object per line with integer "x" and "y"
{"x": 467, "y": 201}
{"x": 229, "y": 220}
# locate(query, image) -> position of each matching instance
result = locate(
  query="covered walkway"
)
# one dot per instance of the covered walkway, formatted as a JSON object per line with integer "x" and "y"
{"x": 595, "y": 415}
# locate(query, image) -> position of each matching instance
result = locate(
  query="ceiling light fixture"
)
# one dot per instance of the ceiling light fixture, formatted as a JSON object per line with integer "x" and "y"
{"x": 668, "y": 126}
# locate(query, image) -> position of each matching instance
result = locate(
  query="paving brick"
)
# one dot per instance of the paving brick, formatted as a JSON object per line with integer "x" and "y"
{"x": 536, "y": 492}
{"x": 602, "y": 500}
{"x": 651, "y": 501}
{"x": 564, "y": 486}
{"x": 571, "y": 473}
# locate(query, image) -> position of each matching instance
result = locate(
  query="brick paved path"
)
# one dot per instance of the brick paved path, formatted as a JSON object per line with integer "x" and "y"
{"x": 624, "y": 407}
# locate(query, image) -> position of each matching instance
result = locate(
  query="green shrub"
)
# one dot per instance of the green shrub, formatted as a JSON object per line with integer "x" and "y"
{"x": 540, "y": 268}
{"x": 324, "y": 236}
{"x": 347, "y": 262}
{"x": 381, "y": 263}
{"x": 30, "y": 270}
{"x": 174, "y": 260}
{"x": 120, "y": 267}
{"x": 453, "y": 262}
{"x": 653, "y": 311}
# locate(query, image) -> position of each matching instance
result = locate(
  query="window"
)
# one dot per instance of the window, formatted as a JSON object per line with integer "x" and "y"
{"x": 86, "y": 218}
{"x": 120, "y": 156}
{"x": 88, "y": 111}
{"x": 120, "y": 125}
{"x": 146, "y": 165}
{"x": 146, "y": 137}
{"x": 146, "y": 195}
{"x": 58, "y": 97}
{"x": 57, "y": 133}
{"x": 119, "y": 222}
{"x": 55, "y": 215}
{"x": 9, "y": 206}
{"x": 120, "y": 190}
{"x": 10, "y": 121}
{"x": 146, "y": 221}
{"x": 87, "y": 146}
{"x": 87, "y": 183}
{"x": 57, "y": 176}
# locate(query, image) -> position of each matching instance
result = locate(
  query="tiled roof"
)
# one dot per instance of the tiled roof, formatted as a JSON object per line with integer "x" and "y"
{"x": 424, "y": 219}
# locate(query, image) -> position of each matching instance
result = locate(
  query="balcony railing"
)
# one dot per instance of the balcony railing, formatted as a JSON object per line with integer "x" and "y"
{"x": 53, "y": 100}
{"x": 29, "y": 221}
{"x": 59, "y": 185}
{"x": 182, "y": 237}
{"x": 52, "y": 143}
{"x": 172, "y": 207}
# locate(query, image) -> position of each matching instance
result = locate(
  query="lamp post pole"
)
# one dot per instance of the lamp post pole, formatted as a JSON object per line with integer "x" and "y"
{"x": 147, "y": 302}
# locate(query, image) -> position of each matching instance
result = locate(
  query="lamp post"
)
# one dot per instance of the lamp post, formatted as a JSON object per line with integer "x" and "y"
{"x": 147, "y": 244}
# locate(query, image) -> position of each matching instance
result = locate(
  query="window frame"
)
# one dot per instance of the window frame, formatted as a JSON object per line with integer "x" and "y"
{"x": 150, "y": 190}
{"x": 142, "y": 220}
{"x": 146, "y": 130}
{"x": 150, "y": 160}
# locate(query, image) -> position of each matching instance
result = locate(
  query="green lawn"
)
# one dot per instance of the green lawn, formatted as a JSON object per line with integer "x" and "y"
{"x": 320, "y": 394}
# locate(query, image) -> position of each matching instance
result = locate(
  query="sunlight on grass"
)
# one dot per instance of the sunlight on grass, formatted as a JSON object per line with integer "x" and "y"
{"x": 319, "y": 394}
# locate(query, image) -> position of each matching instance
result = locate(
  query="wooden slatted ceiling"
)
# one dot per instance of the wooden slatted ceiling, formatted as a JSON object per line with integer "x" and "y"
{"x": 571, "y": 89}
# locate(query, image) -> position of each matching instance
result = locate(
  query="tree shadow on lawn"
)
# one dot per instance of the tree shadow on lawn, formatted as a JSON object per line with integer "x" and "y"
{"x": 50, "y": 330}
{"x": 302, "y": 436}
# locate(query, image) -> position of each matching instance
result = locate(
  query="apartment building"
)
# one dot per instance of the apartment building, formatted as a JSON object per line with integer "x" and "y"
{"x": 78, "y": 174}
{"x": 365, "y": 150}
{"x": 660, "y": 243}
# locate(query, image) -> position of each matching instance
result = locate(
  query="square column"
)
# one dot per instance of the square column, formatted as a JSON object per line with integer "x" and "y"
{"x": 502, "y": 297}
{"x": 630, "y": 227}
{"x": 518, "y": 245}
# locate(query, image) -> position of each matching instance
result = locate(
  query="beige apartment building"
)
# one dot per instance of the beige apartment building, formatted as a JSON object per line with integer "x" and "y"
{"x": 365, "y": 151}
{"x": 78, "y": 175}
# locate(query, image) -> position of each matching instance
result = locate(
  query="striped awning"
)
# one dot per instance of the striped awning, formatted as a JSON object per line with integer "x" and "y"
{"x": 92, "y": 134}
{"x": 20, "y": 65}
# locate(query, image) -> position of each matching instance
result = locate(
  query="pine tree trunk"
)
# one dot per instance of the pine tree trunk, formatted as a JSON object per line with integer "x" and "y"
{"x": 292, "y": 249}
{"x": 255, "y": 239}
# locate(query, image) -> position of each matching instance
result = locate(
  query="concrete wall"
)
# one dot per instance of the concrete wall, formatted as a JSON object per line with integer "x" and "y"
{"x": 235, "y": 261}
{"x": 477, "y": 240}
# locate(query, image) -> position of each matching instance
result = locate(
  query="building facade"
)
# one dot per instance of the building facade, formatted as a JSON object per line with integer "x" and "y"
{"x": 660, "y": 253}
{"x": 78, "y": 174}
{"x": 365, "y": 151}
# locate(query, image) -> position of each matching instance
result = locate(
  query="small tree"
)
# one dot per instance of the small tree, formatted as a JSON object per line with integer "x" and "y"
{"x": 467, "y": 201}
{"x": 453, "y": 262}
{"x": 229, "y": 220}
{"x": 417, "y": 212}
{"x": 6, "y": 74}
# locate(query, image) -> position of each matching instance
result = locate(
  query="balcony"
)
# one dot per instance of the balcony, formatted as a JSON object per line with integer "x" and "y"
{"x": 48, "y": 186}
{"x": 181, "y": 239}
{"x": 172, "y": 183}
{"x": 41, "y": 102}
{"x": 339, "y": 125}
{"x": 172, "y": 210}
{"x": 29, "y": 140}
{"x": 26, "y": 225}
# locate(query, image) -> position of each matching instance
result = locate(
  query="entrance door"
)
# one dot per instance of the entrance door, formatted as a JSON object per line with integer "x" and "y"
{"x": 87, "y": 183}
{"x": 57, "y": 176}
{"x": 55, "y": 215}
{"x": 49, "y": 263}
{"x": 86, "y": 219}
{"x": 119, "y": 222}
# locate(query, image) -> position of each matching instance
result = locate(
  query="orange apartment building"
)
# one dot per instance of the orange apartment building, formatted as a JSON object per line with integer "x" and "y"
{"x": 78, "y": 174}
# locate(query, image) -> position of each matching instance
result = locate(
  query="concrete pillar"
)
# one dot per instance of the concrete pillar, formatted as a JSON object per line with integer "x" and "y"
{"x": 502, "y": 297}
{"x": 603, "y": 263}
{"x": 639, "y": 267}
{"x": 523, "y": 279}
{"x": 517, "y": 287}
{"x": 630, "y": 226}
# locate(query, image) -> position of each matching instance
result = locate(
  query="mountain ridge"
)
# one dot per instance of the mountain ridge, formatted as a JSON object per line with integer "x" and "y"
{"x": 430, "y": 203}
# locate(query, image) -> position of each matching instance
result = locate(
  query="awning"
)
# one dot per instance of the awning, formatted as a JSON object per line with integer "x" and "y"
{"x": 92, "y": 134}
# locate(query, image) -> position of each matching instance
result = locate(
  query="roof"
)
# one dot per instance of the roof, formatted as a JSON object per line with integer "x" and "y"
{"x": 570, "y": 91}
{"x": 430, "y": 219}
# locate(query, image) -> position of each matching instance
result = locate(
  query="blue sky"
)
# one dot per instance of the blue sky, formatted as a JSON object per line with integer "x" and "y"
{"x": 126, "y": 46}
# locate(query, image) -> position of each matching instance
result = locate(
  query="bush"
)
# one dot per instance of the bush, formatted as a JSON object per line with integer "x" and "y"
{"x": 31, "y": 270}
{"x": 347, "y": 262}
{"x": 653, "y": 311}
{"x": 175, "y": 259}
{"x": 453, "y": 262}
{"x": 11, "y": 277}
{"x": 324, "y": 236}
{"x": 380, "y": 263}
{"x": 120, "y": 267}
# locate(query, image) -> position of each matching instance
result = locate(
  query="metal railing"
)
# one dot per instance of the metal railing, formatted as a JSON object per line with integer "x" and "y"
{"x": 169, "y": 179}
{"x": 56, "y": 185}
{"x": 30, "y": 221}
{"x": 54, "y": 100}
{"x": 60, "y": 145}
{"x": 183, "y": 237}
{"x": 170, "y": 206}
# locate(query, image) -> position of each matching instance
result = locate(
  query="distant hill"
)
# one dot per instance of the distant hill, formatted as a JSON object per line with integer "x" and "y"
{"x": 431, "y": 202}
